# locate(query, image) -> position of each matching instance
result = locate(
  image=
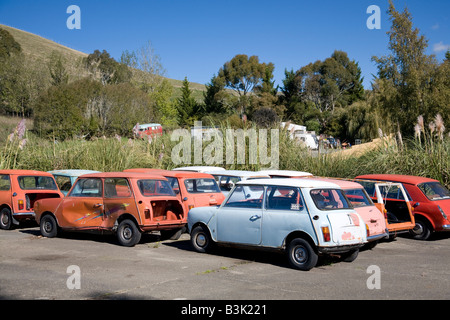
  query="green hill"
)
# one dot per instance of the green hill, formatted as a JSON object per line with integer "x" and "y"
{"x": 39, "y": 49}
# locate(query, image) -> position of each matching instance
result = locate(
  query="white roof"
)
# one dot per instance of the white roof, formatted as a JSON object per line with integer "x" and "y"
{"x": 301, "y": 183}
{"x": 287, "y": 173}
{"x": 238, "y": 173}
{"x": 199, "y": 168}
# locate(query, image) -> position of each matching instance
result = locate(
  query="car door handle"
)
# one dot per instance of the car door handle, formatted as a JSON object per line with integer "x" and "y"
{"x": 98, "y": 205}
{"x": 254, "y": 218}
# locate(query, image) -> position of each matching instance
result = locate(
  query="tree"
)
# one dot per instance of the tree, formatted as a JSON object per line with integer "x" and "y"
{"x": 215, "y": 97}
{"x": 407, "y": 69}
{"x": 8, "y": 45}
{"x": 103, "y": 67}
{"x": 146, "y": 65}
{"x": 57, "y": 69}
{"x": 242, "y": 74}
{"x": 188, "y": 109}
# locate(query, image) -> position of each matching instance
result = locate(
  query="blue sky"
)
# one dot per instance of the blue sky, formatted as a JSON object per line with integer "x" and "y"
{"x": 196, "y": 37}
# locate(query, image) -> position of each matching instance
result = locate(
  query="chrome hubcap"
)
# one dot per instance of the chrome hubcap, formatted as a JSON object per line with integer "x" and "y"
{"x": 201, "y": 240}
{"x": 300, "y": 254}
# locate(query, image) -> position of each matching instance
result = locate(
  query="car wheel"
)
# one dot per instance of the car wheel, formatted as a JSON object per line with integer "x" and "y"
{"x": 350, "y": 256}
{"x": 128, "y": 233}
{"x": 6, "y": 219}
{"x": 421, "y": 230}
{"x": 201, "y": 240}
{"x": 301, "y": 255}
{"x": 48, "y": 226}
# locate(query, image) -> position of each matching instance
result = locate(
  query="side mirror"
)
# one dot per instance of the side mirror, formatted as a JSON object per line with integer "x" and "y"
{"x": 415, "y": 205}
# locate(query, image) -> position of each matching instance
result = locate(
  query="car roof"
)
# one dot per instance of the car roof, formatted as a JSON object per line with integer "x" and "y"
{"x": 198, "y": 168}
{"x": 122, "y": 174}
{"x": 170, "y": 173}
{"x": 396, "y": 178}
{"x": 301, "y": 183}
{"x": 24, "y": 172}
{"x": 344, "y": 184}
{"x": 287, "y": 173}
{"x": 72, "y": 172}
{"x": 239, "y": 173}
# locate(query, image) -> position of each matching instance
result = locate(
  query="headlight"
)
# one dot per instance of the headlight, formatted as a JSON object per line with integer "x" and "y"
{"x": 442, "y": 212}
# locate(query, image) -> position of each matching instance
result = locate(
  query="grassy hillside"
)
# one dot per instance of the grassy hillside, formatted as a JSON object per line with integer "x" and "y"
{"x": 39, "y": 49}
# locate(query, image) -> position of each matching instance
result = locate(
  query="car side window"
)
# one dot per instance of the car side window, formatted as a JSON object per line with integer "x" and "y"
{"x": 63, "y": 182}
{"x": 88, "y": 187}
{"x": 284, "y": 198}
{"x": 117, "y": 188}
{"x": 5, "y": 182}
{"x": 243, "y": 197}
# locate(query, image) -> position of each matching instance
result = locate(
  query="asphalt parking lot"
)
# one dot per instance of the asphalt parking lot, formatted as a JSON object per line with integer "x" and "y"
{"x": 91, "y": 267}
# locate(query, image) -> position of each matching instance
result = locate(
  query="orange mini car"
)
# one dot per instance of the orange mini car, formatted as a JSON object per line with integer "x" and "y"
{"x": 123, "y": 203}
{"x": 194, "y": 189}
{"x": 19, "y": 190}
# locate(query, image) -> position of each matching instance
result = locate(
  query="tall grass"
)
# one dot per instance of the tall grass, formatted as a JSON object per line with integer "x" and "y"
{"x": 426, "y": 155}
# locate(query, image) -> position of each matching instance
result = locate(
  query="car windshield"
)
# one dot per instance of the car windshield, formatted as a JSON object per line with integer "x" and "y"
{"x": 434, "y": 191}
{"x": 150, "y": 187}
{"x": 358, "y": 197}
{"x": 202, "y": 185}
{"x": 37, "y": 183}
{"x": 330, "y": 199}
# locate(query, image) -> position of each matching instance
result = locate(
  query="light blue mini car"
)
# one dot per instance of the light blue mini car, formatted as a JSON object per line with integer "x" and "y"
{"x": 66, "y": 178}
{"x": 303, "y": 217}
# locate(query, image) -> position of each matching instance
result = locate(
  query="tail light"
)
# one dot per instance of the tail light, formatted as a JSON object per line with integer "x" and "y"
{"x": 326, "y": 234}
{"x": 20, "y": 204}
{"x": 190, "y": 206}
{"x": 367, "y": 231}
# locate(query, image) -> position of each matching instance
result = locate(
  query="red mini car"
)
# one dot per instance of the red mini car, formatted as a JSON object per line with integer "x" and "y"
{"x": 195, "y": 189}
{"x": 430, "y": 199}
{"x": 19, "y": 190}
{"x": 126, "y": 204}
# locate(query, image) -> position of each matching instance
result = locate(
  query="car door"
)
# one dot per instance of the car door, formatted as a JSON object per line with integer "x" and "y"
{"x": 284, "y": 212}
{"x": 239, "y": 219}
{"x": 83, "y": 207}
{"x": 118, "y": 199}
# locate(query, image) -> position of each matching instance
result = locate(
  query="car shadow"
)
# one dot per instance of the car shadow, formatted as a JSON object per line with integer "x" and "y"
{"x": 274, "y": 257}
{"x": 92, "y": 236}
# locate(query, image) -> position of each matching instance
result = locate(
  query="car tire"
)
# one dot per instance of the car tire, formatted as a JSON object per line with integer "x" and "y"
{"x": 6, "y": 219}
{"x": 201, "y": 239}
{"x": 350, "y": 256}
{"x": 48, "y": 226}
{"x": 301, "y": 255}
{"x": 128, "y": 233}
{"x": 422, "y": 229}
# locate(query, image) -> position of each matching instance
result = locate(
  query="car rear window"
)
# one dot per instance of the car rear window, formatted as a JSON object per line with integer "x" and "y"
{"x": 151, "y": 187}
{"x": 330, "y": 199}
{"x": 201, "y": 185}
{"x": 358, "y": 197}
{"x": 434, "y": 191}
{"x": 37, "y": 183}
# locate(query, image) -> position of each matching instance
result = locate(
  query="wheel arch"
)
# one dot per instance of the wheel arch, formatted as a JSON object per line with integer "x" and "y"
{"x": 300, "y": 234}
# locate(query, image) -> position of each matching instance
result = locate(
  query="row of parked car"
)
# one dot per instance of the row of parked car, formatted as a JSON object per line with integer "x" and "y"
{"x": 304, "y": 215}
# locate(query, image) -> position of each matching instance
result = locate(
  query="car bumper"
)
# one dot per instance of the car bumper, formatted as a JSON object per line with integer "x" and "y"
{"x": 340, "y": 249}
{"x": 378, "y": 236}
{"x": 446, "y": 227}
